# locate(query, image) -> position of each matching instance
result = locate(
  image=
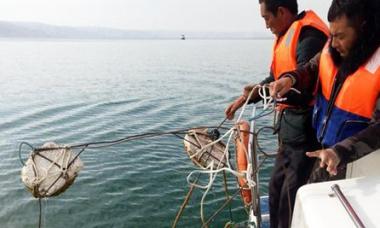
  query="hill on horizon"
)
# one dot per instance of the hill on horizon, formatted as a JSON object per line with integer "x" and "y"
{"x": 47, "y": 31}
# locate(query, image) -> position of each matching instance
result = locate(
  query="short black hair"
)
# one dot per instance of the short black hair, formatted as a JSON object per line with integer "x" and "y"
{"x": 354, "y": 10}
{"x": 272, "y": 5}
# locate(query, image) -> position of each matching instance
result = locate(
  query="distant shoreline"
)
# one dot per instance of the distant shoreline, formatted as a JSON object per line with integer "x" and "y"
{"x": 122, "y": 39}
{"x": 32, "y": 30}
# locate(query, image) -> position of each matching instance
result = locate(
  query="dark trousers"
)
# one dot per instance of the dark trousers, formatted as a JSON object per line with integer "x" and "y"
{"x": 292, "y": 167}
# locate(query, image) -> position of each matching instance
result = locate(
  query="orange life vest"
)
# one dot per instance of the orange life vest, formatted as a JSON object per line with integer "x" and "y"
{"x": 354, "y": 104}
{"x": 285, "y": 47}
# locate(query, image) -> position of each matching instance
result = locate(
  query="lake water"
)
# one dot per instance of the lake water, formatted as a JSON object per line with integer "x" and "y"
{"x": 72, "y": 92}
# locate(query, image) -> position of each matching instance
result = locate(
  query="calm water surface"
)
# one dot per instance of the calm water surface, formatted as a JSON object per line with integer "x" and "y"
{"x": 71, "y": 92}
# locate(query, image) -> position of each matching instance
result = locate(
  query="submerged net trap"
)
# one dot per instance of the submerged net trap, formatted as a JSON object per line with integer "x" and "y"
{"x": 50, "y": 170}
{"x": 203, "y": 150}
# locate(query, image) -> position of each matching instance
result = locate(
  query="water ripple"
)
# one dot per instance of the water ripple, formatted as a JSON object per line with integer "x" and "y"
{"x": 85, "y": 97}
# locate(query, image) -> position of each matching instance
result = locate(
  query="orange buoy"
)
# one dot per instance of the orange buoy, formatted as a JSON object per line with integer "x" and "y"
{"x": 241, "y": 145}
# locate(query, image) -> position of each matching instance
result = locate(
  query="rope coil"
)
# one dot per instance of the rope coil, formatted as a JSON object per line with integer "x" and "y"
{"x": 214, "y": 167}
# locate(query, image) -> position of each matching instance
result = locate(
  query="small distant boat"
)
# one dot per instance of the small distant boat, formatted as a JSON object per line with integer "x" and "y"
{"x": 183, "y": 37}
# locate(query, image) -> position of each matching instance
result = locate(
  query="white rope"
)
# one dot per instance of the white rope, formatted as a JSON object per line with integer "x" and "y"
{"x": 267, "y": 100}
{"x": 211, "y": 171}
{"x": 284, "y": 98}
{"x": 203, "y": 148}
{"x": 41, "y": 177}
{"x": 248, "y": 177}
{"x": 268, "y": 103}
{"x": 47, "y": 170}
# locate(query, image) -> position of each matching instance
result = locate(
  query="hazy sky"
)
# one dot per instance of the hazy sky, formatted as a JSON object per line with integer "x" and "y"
{"x": 194, "y": 15}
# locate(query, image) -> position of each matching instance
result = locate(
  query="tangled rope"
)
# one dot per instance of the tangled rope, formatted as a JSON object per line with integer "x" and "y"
{"x": 267, "y": 108}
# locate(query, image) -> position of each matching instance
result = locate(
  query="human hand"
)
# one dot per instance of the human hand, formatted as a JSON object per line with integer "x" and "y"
{"x": 231, "y": 109}
{"x": 248, "y": 88}
{"x": 280, "y": 87}
{"x": 328, "y": 158}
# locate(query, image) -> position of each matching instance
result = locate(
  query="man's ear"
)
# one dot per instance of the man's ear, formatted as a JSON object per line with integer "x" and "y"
{"x": 280, "y": 11}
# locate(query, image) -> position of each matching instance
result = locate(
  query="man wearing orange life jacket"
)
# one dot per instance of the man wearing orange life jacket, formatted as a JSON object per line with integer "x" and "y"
{"x": 298, "y": 38}
{"x": 347, "y": 110}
